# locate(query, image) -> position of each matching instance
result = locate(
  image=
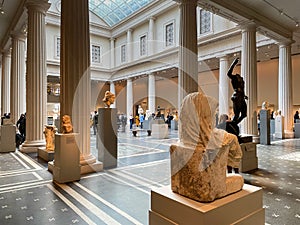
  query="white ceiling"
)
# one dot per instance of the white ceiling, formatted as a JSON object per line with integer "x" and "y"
{"x": 276, "y": 20}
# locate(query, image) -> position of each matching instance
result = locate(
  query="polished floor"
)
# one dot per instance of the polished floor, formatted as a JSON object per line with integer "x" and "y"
{"x": 122, "y": 195}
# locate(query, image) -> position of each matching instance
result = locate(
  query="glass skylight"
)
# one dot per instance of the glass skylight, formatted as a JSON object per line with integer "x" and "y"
{"x": 113, "y": 11}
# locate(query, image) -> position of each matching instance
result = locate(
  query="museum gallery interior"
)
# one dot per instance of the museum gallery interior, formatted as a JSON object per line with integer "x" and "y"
{"x": 154, "y": 112}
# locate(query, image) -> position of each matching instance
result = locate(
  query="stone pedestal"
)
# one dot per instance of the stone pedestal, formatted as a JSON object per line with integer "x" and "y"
{"x": 7, "y": 138}
{"x": 249, "y": 159}
{"x": 107, "y": 143}
{"x": 66, "y": 158}
{"x": 264, "y": 134}
{"x": 279, "y": 126}
{"x": 160, "y": 131}
{"x": 243, "y": 207}
{"x": 272, "y": 127}
{"x": 174, "y": 125}
{"x": 45, "y": 155}
{"x": 297, "y": 130}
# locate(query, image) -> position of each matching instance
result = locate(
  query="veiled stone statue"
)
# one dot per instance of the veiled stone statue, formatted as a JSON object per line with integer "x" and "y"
{"x": 49, "y": 133}
{"x": 109, "y": 98}
{"x": 199, "y": 160}
{"x": 66, "y": 126}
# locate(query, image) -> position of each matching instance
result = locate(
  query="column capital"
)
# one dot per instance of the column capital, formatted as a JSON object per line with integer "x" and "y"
{"x": 38, "y": 5}
{"x": 152, "y": 18}
{"x": 18, "y": 35}
{"x": 222, "y": 56}
{"x": 248, "y": 26}
{"x": 129, "y": 30}
{"x": 285, "y": 42}
{"x": 112, "y": 39}
{"x": 6, "y": 52}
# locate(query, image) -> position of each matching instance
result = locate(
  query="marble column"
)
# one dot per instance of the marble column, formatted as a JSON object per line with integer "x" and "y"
{"x": 36, "y": 82}
{"x": 285, "y": 91}
{"x": 18, "y": 88}
{"x": 224, "y": 86}
{"x": 129, "y": 45}
{"x": 151, "y": 36}
{"x": 112, "y": 90}
{"x": 188, "y": 50}
{"x": 75, "y": 91}
{"x": 249, "y": 73}
{"x": 5, "y": 94}
{"x": 112, "y": 53}
{"x": 129, "y": 103}
{"x": 1, "y": 72}
{"x": 151, "y": 93}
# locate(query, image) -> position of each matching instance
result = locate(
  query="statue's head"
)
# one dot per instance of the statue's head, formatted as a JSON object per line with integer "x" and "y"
{"x": 265, "y": 105}
{"x": 109, "y": 98}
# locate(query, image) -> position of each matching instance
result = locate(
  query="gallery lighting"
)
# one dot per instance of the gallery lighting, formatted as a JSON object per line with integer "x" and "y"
{"x": 1, "y": 7}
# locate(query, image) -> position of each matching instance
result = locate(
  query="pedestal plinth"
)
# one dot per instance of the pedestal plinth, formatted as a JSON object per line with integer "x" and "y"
{"x": 279, "y": 127}
{"x": 243, "y": 207}
{"x": 7, "y": 138}
{"x": 249, "y": 160}
{"x": 160, "y": 131}
{"x": 297, "y": 130}
{"x": 265, "y": 130}
{"x": 107, "y": 143}
{"x": 66, "y": 158}
{"x": 45, "y": 155}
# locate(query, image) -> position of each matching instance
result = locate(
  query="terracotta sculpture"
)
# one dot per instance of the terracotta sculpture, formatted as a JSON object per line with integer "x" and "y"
{"x": 49, "y": 133}
{"x": 66, "y": 125}
{"x": 108, "y": 99}
{"x": 238, "y": 97}
{"x": 199, "y": 161}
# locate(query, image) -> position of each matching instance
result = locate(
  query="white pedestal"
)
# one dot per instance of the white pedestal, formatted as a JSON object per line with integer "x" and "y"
{"x": 66, "y": 158}
{"x": 174, "y": 125}
{"x": 45, "y": 155}
{"x": 243, "y": 208}
{"x": 7, "y": 138}
{"x": 279, "y": 126}
{"x": 160, "y": 131}
{"x": 297, "y": 130}
{"x": 249, "y": 159}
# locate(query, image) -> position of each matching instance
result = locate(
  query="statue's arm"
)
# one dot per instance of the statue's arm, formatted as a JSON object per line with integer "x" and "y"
{"x": 229, "y": 73}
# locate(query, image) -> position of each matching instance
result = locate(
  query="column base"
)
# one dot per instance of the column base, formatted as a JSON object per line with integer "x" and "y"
{"x": 289, "y": 134}
{"x": 84, "y": 169}
{"x": 32, "y": 146}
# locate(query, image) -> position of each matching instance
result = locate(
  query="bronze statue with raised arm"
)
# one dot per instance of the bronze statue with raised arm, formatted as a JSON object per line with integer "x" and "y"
{"x": 238, "y": 97}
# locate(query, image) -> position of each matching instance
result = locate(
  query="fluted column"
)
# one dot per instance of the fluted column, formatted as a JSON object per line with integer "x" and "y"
{"x": 5, "y": 94}
{"x": 112, "y": 90}
{"x": 36, "y": 82}
{"x": 129, "y": 45}
{"x": 75, "y": 75}
{"x": 112, "y": 53}
{"x": 151, "y": 36}
{"x": 249, "y": 72}
{"x": 129, "y": 103}
{"x": 285, "y": 90}
{"x": 151, "y": 93}
{"x": 18, "y": 89}
{"x": 188, "y": 50}
{"x": 224, "y": 85}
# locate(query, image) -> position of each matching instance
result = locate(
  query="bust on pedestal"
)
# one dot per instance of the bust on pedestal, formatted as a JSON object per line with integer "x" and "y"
{"x": 265, "y": 131}
{"x": 279, "y": 125}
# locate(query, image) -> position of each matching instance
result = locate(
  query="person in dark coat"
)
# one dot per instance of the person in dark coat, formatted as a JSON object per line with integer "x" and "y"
{"x": 21, "y": 125}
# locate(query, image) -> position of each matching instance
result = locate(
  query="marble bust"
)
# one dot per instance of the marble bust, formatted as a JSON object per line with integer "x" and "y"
{"x": 109, "y": 98}
{"x": 199, "y": 160}
{"x": 67, "y": 126}
{"x": 265, "y": 105}
{"x": 49, "y": 133}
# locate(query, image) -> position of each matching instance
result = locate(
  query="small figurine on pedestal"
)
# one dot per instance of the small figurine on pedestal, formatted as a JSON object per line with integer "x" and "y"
{"x": 49, "y": 133}
{"x": 108, "y": 99}
{"x": 66, "y": 125}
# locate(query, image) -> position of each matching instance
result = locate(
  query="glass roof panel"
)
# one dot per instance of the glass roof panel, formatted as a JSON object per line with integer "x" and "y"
{"x": 114, "y": 11}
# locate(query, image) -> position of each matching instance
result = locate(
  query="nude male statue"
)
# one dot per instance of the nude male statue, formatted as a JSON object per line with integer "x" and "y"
{"x": 238, "y": 97}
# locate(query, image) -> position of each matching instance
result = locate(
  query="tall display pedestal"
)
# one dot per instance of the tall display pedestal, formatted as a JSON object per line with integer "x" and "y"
{"x": 107, "y": 140}
{"x": 297, "y": 130}
{"x": 174, "y": 125}
{"x": 265, "y": 130}
{"x": 241, "y": 208}
{"x": 66, "y": 158}
{"x": 279, "y": 125}
{"x": 7, "y": 138}
{"x": 249, "y": 159}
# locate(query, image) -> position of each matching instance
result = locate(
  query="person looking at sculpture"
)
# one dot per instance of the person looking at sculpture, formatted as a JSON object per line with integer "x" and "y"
{"x": 296, "y": 116}
{"x": 238, "y": 97}
{"x": 95, "y": 122}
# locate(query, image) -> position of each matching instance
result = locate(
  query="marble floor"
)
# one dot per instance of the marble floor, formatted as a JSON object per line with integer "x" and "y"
{"x": 122, "y": 195}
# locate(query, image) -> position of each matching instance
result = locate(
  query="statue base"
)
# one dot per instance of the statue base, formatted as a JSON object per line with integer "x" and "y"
{"x": 249, "y": 160}
{"x": 7, "y": 138}
{"x": 45, "y": 155}
{"x": 243, "y": 207}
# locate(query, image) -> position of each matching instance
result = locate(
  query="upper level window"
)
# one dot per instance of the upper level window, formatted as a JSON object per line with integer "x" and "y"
{"x": 123, "y": 53}
{"x": 57, "y": 49}
{"x": 169, "y": 34}
{"x": 143, "y": 45}
{"x": 96, "y": 53}
{"x": 205, "y": 21}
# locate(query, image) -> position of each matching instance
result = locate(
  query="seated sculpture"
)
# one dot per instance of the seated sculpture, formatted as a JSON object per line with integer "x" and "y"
{"x": 67, "y": 126}
{"x": 199, "y": 160}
